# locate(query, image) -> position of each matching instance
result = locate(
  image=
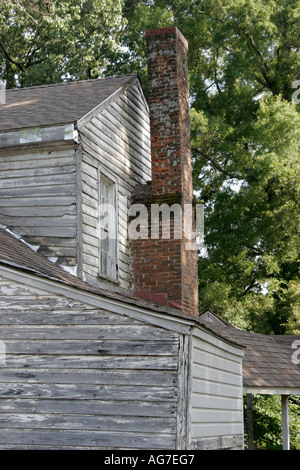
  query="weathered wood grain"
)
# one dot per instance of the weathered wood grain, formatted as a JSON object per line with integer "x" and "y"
{"x": 76, "y": 377}
{"x": 101, "y": 439}
{"x": 38, "y": 198}
{"x": 94, "y": 347}
{"x": 89, "y": 376}
{"x": 83, "y": 422}
{"x": 90, "y": 392}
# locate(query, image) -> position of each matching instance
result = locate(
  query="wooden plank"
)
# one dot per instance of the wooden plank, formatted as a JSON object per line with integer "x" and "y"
{"x": 216, "y": 429}
{"x": 38, "y": 303}
{"x": 217, "y": 402}
{"x": 135, "y": 111}
{"x": 90, "y": 181}
{"x": 46, "y": 202}
{"x": 249, "y": 422}
{"x": 123, "y": 151}
{"x": 39, "y": 211}
{"x": 216, "y": 395}
{"x": 62, "y": 189}
{"x": 90, "y": 407}
{"x": 203, "y": 347}
{"x": 28, "y": 163}
{"x": 91, "y": 361}
{"x": 201, "y": 416}
{"x": 143, "y": 393}
{"x": 36, "y": 155}
{"x": 45, "y": 241}
{"x": 90, "y": 170}
{"x": 217, "y": 376}
{"x": 209, "y": 359}
{"x": 285, "y": 422}
{"x": 128, "y": 136}
{"x": 81, "y": 332}
{"x": 27, "y": 175}
{"x": 89, "y": 239}
{"x": 90, "y": 221}
{"x": 90, "y": 211}
{"x": 62, "y": 317}
{"x": 66, "y": 220}
{"x": 128, "y": 178}
{"x": 49, "y": 231}
{"x": 234, "y": 442}
{"x": 138, "y": 94}
{"x": 35, "y": 181}
{"x": 89, "y": 201}
{"x": 115, "y": 156}
{"x": 87, "y": 438}
{"x": 90, "y": 376}
{"x": 109, "y": 347}
{"x": 60, "y": 421}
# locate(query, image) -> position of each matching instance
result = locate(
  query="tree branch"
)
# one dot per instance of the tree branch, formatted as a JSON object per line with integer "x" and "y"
{"x": 217, "y": 165}
{"x": 10, "y": 59}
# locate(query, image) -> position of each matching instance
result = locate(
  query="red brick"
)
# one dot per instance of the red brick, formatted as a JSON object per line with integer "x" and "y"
{"x": 169, "y": 272}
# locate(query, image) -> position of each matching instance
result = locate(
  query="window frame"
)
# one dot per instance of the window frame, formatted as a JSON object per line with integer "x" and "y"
{"x": 110, "y": 180}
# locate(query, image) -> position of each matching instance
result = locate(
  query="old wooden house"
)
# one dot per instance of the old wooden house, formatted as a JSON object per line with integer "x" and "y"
{"x": 101, "y": 343}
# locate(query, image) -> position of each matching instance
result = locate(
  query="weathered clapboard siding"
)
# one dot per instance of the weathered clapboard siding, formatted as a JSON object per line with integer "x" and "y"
{"x": 216, "y": 394}
{"x": 38, "y": 199}
{"x": 116, "y": 142}
{"x": 76, "y": 376}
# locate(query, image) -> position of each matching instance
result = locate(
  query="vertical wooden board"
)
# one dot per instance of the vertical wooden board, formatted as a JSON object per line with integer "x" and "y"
{"x": 216, "y": 396}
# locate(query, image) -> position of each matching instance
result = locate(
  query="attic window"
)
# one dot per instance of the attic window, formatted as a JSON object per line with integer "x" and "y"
{"x": 108, "y": 228}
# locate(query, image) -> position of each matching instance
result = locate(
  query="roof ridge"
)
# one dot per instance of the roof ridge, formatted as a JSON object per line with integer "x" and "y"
{"x": 129, "y": 75}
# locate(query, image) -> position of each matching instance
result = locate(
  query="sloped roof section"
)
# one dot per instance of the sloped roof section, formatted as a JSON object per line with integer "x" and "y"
{"x": 50, "y": 105}
{"x": 269, "y": 360}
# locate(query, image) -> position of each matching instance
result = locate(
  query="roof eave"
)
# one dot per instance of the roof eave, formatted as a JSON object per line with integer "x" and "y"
{"x": 275, "y": 390}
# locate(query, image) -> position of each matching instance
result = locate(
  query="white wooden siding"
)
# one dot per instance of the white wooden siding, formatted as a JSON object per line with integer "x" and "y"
{"x": 216, "y": 394}
{"x": 38, "y": 199}
{"x": 117, "y": 141}
{"x": 80, "y": 377}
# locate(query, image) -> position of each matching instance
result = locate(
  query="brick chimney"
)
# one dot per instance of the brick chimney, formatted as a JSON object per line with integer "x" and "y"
{"x": 164, "y": 270}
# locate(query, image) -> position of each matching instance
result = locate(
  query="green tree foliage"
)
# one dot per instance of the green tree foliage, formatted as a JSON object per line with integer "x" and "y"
{"x": 244, "y": 61}
{"x": 267, "y": 422}
{"x": 243, "y": 64}
{"x": 47, "y": 41}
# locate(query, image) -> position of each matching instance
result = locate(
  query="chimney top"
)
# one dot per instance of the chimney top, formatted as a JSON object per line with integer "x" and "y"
{"x": 167, "y": 30}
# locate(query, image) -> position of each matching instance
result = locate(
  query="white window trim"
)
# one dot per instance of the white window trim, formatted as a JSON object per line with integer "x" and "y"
{"x": 111, "y": 179}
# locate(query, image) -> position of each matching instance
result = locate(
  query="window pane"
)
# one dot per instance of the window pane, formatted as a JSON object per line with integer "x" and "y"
{"x": 108, "y": 228}
{"x": 105, "y": 245}
{"x": 104, "y": 263}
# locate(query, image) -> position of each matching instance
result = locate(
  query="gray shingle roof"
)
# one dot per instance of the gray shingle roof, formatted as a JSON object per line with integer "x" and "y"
{"x": 50, "y": 105}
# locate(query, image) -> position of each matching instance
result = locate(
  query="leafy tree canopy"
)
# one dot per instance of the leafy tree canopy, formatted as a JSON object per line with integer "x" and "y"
{"x": 48, "y": 41}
